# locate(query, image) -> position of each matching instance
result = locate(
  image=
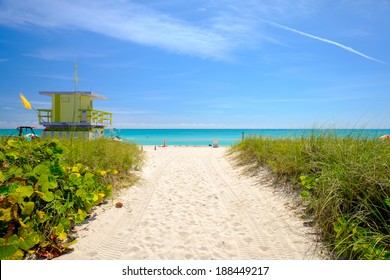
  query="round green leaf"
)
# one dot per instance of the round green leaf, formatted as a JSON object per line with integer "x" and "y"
{"x": 28, "y": 208}
{"x": 28, "y": 239}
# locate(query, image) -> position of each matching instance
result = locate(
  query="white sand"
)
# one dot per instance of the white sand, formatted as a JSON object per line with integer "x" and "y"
{"x": 192, "y": 203}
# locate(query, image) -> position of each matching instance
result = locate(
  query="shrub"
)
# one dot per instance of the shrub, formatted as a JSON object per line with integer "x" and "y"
{"x": 46, "y": 189}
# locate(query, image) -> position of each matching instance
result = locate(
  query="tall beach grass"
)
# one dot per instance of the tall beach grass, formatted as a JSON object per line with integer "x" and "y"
{"x": 344, "y": 184}
{"x": 106, "y": 155}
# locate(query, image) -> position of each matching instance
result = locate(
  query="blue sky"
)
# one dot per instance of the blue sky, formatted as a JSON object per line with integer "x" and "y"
{"x": 203, "y": 63}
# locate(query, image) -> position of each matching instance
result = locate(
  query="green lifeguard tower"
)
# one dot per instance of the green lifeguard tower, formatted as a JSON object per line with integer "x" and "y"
{"x": 72, "y": 115}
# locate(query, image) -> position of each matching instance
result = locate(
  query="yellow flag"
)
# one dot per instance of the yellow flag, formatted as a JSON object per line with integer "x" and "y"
{"x": 25, "y": 102}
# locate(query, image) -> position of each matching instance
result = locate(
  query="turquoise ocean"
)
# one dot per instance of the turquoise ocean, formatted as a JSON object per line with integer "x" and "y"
{"x": 225, "y": 137}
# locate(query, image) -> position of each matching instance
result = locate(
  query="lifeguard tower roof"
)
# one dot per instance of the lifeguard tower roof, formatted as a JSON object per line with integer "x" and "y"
{"x": 91, "y": 94}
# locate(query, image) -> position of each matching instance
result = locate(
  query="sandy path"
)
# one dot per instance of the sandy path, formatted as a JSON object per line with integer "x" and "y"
{"x": 192, "y": 204}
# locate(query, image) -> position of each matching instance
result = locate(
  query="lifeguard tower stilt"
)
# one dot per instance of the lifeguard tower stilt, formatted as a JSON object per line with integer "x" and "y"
{"x": 72, "y": 115}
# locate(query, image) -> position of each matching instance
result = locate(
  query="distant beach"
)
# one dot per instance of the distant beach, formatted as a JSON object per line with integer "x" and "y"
{"x": 225, "y": 137}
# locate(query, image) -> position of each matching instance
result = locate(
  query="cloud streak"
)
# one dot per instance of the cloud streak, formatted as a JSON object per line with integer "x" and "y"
{"x": 349, "y": 49}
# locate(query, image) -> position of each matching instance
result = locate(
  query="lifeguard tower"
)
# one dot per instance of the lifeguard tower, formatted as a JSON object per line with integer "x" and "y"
{"x": 72, "y": 115}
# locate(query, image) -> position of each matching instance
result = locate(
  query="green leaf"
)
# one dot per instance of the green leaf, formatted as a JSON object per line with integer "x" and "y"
{"x": 21, "y": 192}
{"x": 7, "y": 251}
{"x": 43, "y": 179}
{"x": 49, "y": 152}
{"x": 57, "y": 230}
{"x": 89, "y": 179}
{"x": 65, "y": 207}
{"x": 47, "y": 181}
{"x": 57, "y": 170}
{"x": 387, "y": 201}
{"x": 66, "y": 223}
{"x": 13, "y": 143}
{"x": 18, "y": 255}
{"x": 4, "y": 190}
{"x": 28, "y": 168}
{"x": 52, "y": 182}
{"x": 25, "y": 191}
{"x": 305, "y": 194}
{"x": 91, "y": 197}
{"x": 59, "y": 194}
{"x": 17, "y": 172}
{"x": 100, "y": 198}
{"x": 13, "y": 154}
{"x": 2, "y": 177}
{"x": 28, "y": 238}
{"x": 88, "y": 205}
{"x": 28, "y": 208}
{"x": 74, "y": 179}
{"x": 82, "y": 194}
{"x": 5, "y": 214}
{"x": 42, "y": 169}
{"x": 80, "y": 216}
{"x": 9, "y": 248}
{"x": 46, "y": 196}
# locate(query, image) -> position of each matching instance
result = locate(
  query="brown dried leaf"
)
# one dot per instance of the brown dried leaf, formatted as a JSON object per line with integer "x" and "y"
{"x": 2, "y": 198}
{"x": 48, "y": 252}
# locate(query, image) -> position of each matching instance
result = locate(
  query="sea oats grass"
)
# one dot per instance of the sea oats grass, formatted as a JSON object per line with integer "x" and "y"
{"x": 344, "y": 183}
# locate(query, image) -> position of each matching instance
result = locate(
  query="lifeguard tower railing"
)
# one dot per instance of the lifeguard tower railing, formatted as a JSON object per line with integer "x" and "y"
{"x": 85, "y": 117}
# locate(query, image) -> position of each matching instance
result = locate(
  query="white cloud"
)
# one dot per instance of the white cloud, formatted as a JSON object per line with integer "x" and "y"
{"x": 122, "y": 20}
{"x": 222, "y": 28}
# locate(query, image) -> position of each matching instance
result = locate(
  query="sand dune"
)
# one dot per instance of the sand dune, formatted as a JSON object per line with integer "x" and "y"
{"x": 193, "y": 204}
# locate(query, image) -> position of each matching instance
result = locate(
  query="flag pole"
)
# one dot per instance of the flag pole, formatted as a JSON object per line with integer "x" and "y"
{"x": 76, "y": 81}
{"x": 76, "y": 77}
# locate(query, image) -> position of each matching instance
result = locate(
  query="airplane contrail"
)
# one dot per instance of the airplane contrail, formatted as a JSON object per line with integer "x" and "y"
{"x": 323, "y": 40}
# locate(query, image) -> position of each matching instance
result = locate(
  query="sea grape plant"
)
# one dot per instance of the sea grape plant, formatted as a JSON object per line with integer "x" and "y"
{"x": 42, "y": 198}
